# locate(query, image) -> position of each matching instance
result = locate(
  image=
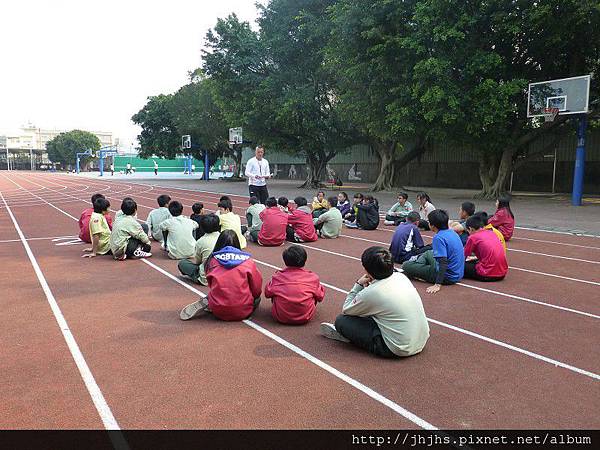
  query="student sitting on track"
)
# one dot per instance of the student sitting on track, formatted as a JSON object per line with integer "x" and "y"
{"x": 253, "y": 216}
{"x": 444, "y": 264}
{"x": 224, "y": 198}
{"x": 425, "y": 207}
{"x": 196, "y": 216}
{"x": 398, "y": 212}
{"x": 99, "y": 229}
{"x": 178, "y": 233}
{"x": 319, "y": 204}
{"x": 407, "y": 240}
{"x": 128, "y": 238}
{"x": 274, "y": 223}
{"x": 383, "y": 313}
{"x": 229, "y": 220}
{"x": 158, "y": 216}
{"x": 329, "y": 224}
{"x": 84, "y": 220}
{"x": 194, "y": 268}
{"x": 467, "y": 209}
{"x": 300, "y": 226}
{"x": 350, "y": 217}
{"x": 233, "y": 279}
{"x": 294, "y": 291}
{"x": 489, "y": 262}
{"x": 367, "y": 217}
{"x": 343, "y": 204}
{"x": 488, "y": 226}
{"x": 503, "y": 219}
{"x": 283, "y": 204}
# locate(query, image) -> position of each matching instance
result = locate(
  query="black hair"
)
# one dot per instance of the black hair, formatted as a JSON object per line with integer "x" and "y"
{"x": 439, "y": 219}
{"x": 253, "y": 200}
{"x": 358, "y": 195}
{"x": 300, "y": 201}
{"x": 163, "y": 200}
{"x": 423, "y": 195}
{"x": 344, "y": 195}
{"x": 271, "y": 201}
{"x": 101, "y": 205}
{"x": 226, "y": 204}
{"x": 128, "y": 206}
{"x": 95, "y": 197}
{"x": 413, "y": 217}
{"x": 504, "y": 202}
{"x": 294, "y": 256}
{"x": 404, "y": 195}
{"x": 332, "y": 201}
{"x": 224, "y": 197}
{"x": 378, "y": 262}
{"x": 475, "y": 222}
{"x": 210, "y": 223}
{"x": 175, "y": 208}
{"x": 321, "y": 192}
{"x": 484, "y": 216}
{"x": 197, "y": 207}
{"x": 227, "y": 238}
{"x": 283, "y": 201}
{"x": 468, "y": 207}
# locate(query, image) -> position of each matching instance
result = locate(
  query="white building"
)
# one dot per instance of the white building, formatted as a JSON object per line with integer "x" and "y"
{"x": 31, "y": 137}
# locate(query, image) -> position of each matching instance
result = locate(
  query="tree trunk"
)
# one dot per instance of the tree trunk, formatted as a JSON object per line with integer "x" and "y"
{"x": 385, "y": 152}
{"x": 237, "y": 157}
{"x": 494, "y": 173}
{"x": 315, "y": 165}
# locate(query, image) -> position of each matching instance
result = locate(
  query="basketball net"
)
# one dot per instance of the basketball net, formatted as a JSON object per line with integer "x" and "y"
{"x": 550, "y": 114}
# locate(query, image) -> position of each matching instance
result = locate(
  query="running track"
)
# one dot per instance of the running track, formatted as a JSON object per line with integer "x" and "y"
{"x": 98, "y": 343}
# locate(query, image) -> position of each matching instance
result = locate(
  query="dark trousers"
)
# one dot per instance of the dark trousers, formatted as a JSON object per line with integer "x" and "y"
{"x": 290, "y": 235}
{"x": 424, "y": 268}
{"x": 133, "y": 244}
{"x": 260, "y": 192}
{"x": 364, "y": 333}
{"x": 471, "y": 273}
{"x": 396, "y": 219}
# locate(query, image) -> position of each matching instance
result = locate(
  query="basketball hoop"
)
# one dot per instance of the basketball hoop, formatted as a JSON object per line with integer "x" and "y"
{"x": 550, "y": 114}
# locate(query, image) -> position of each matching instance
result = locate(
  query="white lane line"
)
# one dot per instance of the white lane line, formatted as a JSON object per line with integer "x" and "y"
{"x": 556, "y": 276}
{"x": 554, "y": 256}
{"x": 517, "y": 238}
{"x": 356, "y": 384}
{"x": 38, "y": 238}
{"x": 108, "y": 419}
{"x": 482, "y": 337}
{"x": 455, "y": 328}
{"x": 558, "y": 232}
{"x": 503, "y": 294}
{"x": 323, "y": 365}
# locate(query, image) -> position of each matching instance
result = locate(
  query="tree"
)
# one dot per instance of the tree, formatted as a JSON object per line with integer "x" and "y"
{"x": 475, "y": 60}
{"x": 64, "y": 147}
{"x": 369, "y": 56}
{"x": 159, "y": 136}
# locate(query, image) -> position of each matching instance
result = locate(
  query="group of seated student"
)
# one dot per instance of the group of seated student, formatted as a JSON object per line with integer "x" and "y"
{"x": 382, "y": 314}
{"x": 364, "y": 214}
{"x": 470, "y": 247}
{"x": 400, "y": 210}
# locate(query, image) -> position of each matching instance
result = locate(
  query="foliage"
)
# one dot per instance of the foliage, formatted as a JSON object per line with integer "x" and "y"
{"x": 63, "y": 148}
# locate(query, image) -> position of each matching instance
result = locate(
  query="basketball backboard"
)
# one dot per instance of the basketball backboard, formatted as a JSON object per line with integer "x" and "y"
{"x": 235, "y": 135}
{"x": 186, "y": 141}
{"x": 568, "y": 95}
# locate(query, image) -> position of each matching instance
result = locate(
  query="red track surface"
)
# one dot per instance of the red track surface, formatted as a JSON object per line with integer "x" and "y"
{"x": 497, "y": 368}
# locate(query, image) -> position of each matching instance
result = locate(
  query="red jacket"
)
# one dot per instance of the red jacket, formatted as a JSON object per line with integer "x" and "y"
{"x": 504, "y": 222}
{"x": 490, "y": 253}
{"x": 302, "y": 223}
{"x": 234, "y": 283}
{"x": 294, "y": 292}
{"x": 274, "y": 223}
{"x": 84, "y": 224}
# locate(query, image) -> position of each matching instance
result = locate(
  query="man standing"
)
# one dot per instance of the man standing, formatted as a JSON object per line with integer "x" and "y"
{"x": 155, "y": 167}
{"x": 257, "y": 171}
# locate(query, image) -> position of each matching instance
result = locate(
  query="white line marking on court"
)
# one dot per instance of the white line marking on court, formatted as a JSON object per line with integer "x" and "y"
{"x": 455, "y": 328}
{"x": 109, "y": 421}
{"x": 515, "y": 297}
{"x": 323, "y": 365}
{"x": 38, "y": 239}
{"x": 517, "y": 238}
{"x": 556, "y": 276}
{"x": 554, "y": 256}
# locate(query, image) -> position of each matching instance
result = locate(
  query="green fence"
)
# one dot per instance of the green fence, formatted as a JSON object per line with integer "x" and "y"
{"x": 147, "y": 165}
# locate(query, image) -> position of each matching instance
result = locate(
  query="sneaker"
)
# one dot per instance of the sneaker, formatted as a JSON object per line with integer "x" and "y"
{"x": 389, "y": 222}
{"x": 123, "y": 257}
{"x": 351, "y": 225}
{"x": 139, "y": 253}
{"x": 194, "y": 309}
{"x": 328, "y": 330}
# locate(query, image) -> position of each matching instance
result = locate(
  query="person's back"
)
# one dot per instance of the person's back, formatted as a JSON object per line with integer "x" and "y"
{"x": 446, "y": 243}
{"x": 204, "y": 247}
{"x": 300, "y": 219}
{"x": 368, "y": 215}
{"x": 330, "y": 222}
{"x": 84, "y": 220}
{"x": 231, "y": 221}
{"x": 406, "y": 238}
{"x": 491, "y": 257}
{"x": 294, "y": 291}
{"x": 124, "y": 229}
{"x": 253, "y": 216}
{"x": 234, "y": 283}
{"x": 180, "y": 241}
{"x": 503, "y": 222}
{"x": 155, "y": 218}
{"x": 274, "y": 223}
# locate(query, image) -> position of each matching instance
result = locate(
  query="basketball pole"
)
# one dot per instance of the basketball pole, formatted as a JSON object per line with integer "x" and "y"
{"x": 579, "y": 170}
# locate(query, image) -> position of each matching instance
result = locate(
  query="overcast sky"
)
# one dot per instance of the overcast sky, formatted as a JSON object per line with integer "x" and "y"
{"x": 91, "y": 64}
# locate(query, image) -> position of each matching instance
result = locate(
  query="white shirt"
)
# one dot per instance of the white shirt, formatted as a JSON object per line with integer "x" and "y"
{"x": 256, "y": 168}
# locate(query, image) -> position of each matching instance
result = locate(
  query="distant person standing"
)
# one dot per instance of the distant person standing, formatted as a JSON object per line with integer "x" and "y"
{"x": 128, "y": 169}
{"x": 155, "y": 167}
{"x": 257, "y": 171}
{"x": 112, "y": 170}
